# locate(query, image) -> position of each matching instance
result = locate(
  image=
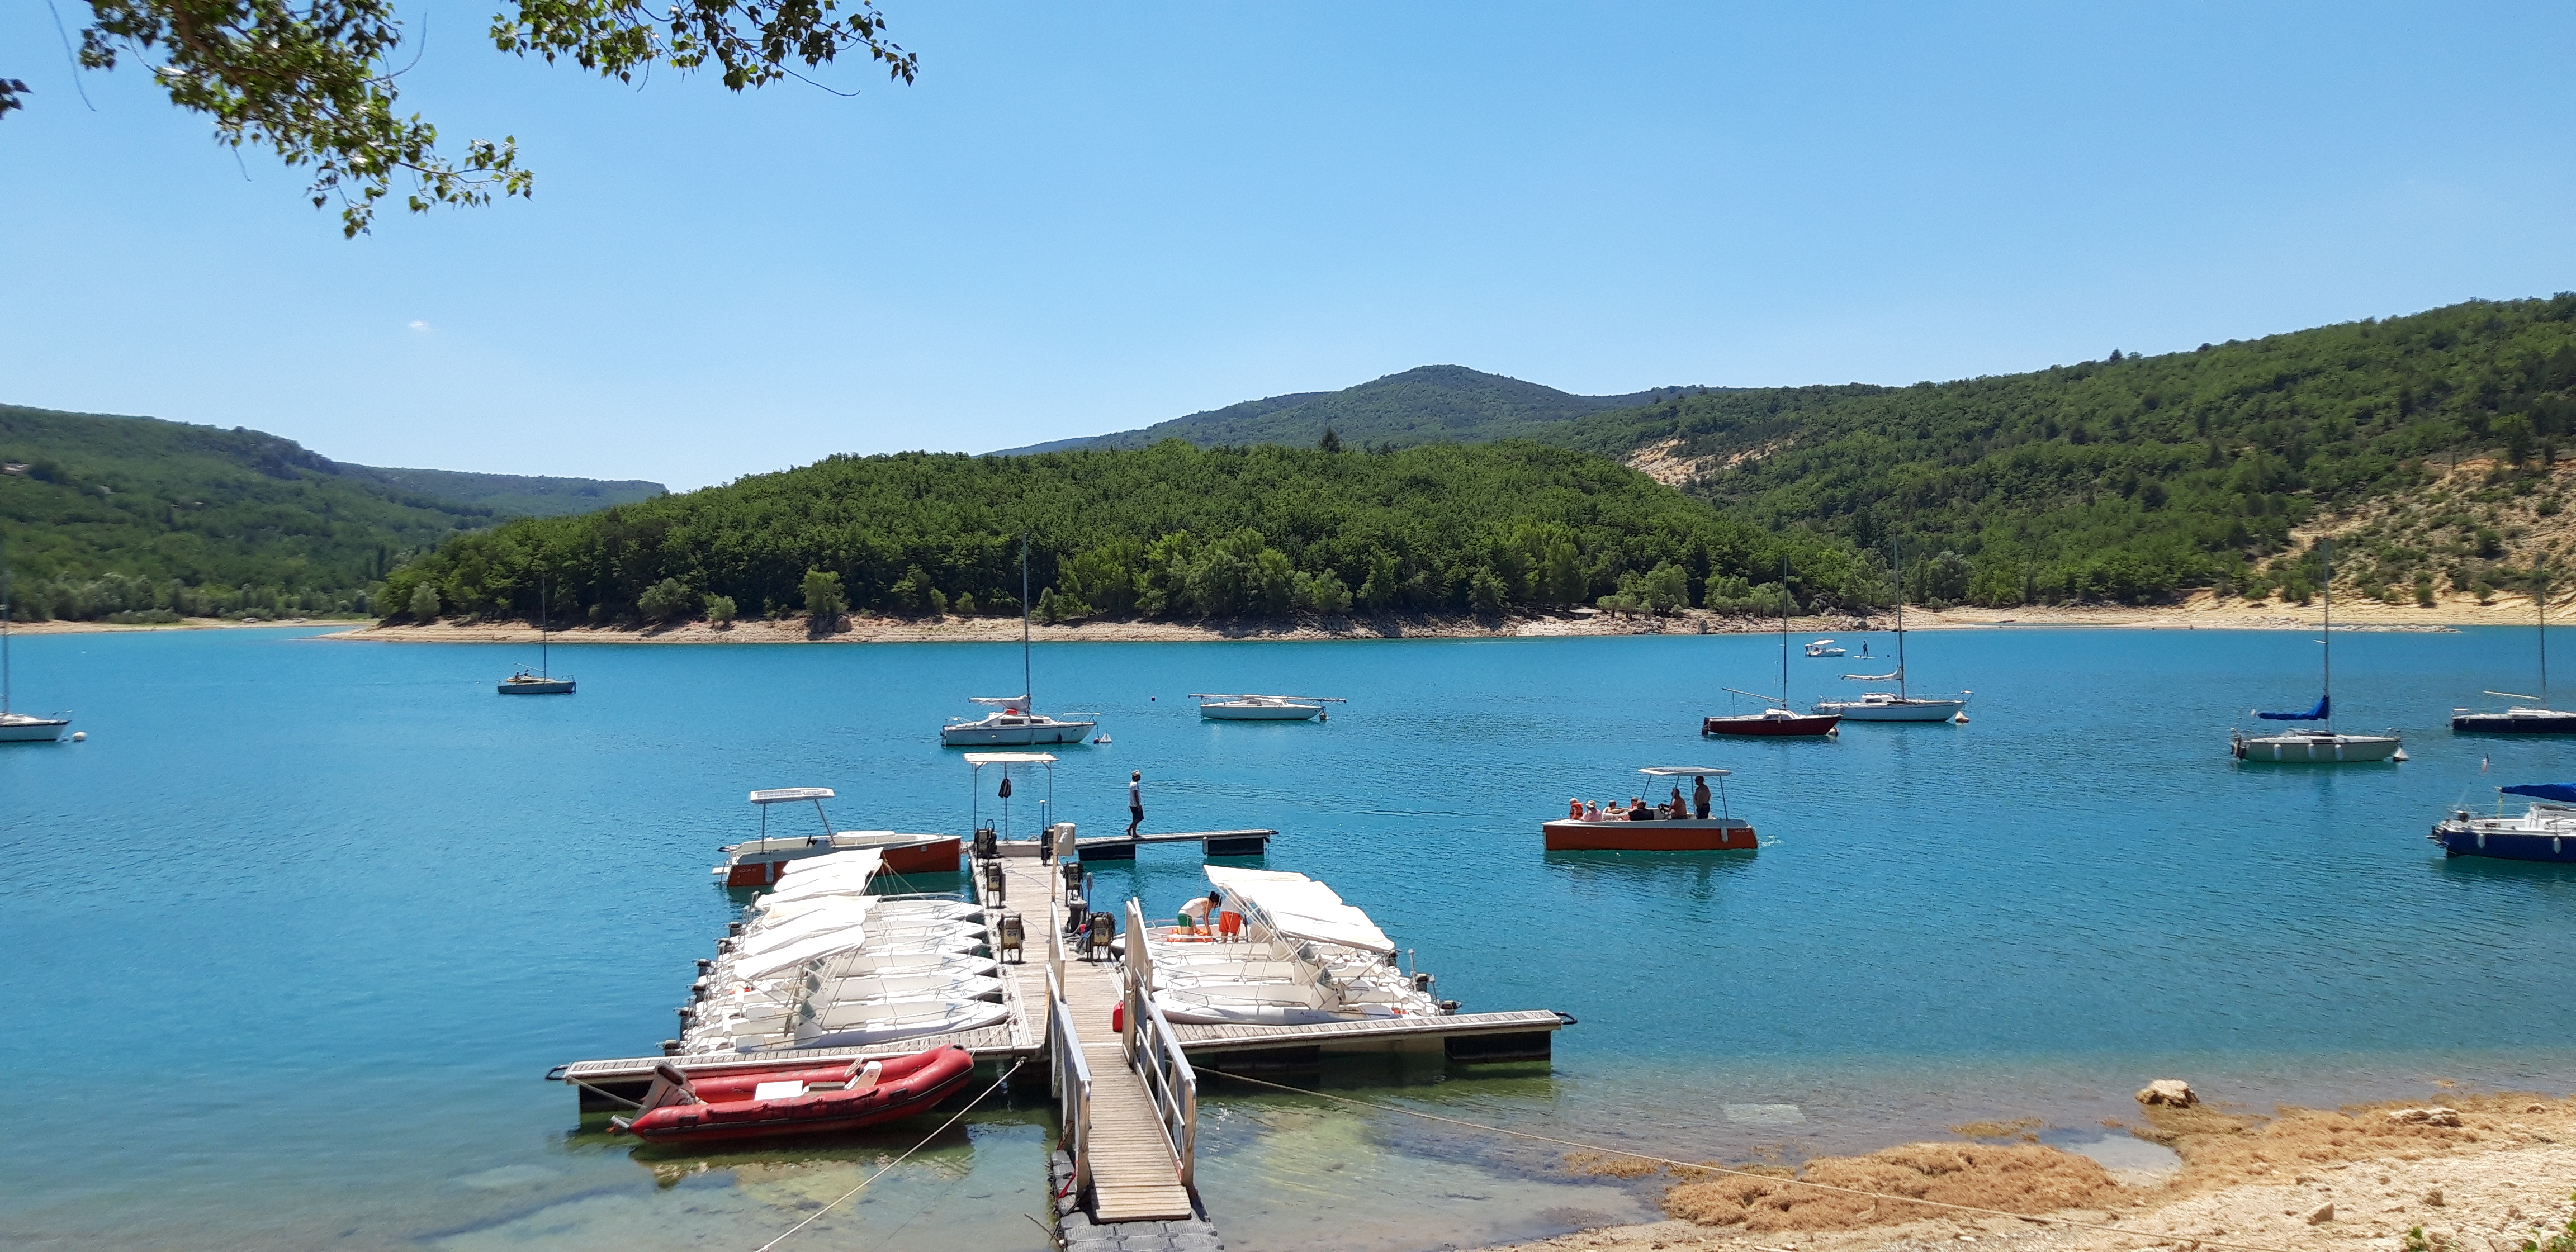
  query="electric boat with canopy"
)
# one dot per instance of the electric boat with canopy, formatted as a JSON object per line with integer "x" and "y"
{"x": 1218, "y": 707}
{"x": 2323, "y": 746}
{"x": 1014, "y": 721}
{"x": 2544, "y": 831}
{"x": 1284, "y": 951}
{"x": 1776, "y": 720}
{"x": 1898, "y": 705}
{"x": 758, "y": 861}
{"x": 2539, "y": 719}
{"x": 1655, "y": 827}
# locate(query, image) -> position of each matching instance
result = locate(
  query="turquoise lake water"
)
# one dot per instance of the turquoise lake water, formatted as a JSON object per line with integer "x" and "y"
{"x": 292, "y": 938}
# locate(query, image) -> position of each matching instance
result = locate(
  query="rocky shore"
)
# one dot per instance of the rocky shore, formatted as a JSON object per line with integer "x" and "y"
{"x": 2489, "y": 1173}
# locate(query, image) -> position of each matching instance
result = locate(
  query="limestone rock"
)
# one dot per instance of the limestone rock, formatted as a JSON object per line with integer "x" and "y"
{"x": 2434, "y": 1116}
{"x": 2434, "y": 1197}
{"x": 2173, "y": 1091}
{"x": 2321, "y": 1214}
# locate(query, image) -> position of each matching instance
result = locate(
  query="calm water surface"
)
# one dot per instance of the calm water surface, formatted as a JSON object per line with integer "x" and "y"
{"x": 291, "y": 939}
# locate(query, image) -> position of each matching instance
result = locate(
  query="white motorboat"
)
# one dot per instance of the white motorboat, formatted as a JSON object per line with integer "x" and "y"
{"x": 767, "y": 859}
{"x": 1015, "y": 721}
{"x": 20, "y": 727}
{"x": 1899, "y": 705}
{"x": 864, "y": 1025}
{"x": 2316, "y": 747}
{"x": 1251, "y": 708}
{"x": 1824, "y": 647}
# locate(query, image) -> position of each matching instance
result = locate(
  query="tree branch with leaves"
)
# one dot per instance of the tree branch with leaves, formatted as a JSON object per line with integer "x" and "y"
{"x": 316, "y": 82}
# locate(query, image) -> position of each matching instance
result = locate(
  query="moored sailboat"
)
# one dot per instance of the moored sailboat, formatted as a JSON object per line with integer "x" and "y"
{"x": 2537, "y": 719}
{"x": 1898, "y": 705}
{"x": 18, "y": 727}
{"x": 2315, "y": 747}
{"x": 1778, "y": 720}
{"x": 1014, "y": 722}
{"x": 542, "y": 682}
{"x": 2544, "y": 831}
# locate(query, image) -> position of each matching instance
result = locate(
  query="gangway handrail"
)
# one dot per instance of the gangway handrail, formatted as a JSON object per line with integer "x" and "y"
{"x": 1072, "y": 1074}
{"x": 1154, "y": 1052}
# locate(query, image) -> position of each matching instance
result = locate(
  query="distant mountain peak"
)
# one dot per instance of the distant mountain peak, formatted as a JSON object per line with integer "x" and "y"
{"x": 1424, "y": 404}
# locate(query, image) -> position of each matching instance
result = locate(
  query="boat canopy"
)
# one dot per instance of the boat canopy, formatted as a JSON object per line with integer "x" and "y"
{"x": 2317, "y": 714}
{"x": 1302, "y": 908}
{"x": 757, "y": 966}
{"x": 2565, "y": 792}
{"x": 1664, "y": 771}
{"x": 785, "y": 795}
{"x": 1010, "y": 758}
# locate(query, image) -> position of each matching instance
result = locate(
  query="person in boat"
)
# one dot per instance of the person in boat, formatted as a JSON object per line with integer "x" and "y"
{"x": 1639, "y": 810}
{"x": 1574, "y": 810}
{"x": 1200, "y": 915}
{"x": 1592, "y": 811}
{"x": 1699, "y": 797}
{"x": 1135, "y": 801}
{"x": 1681, "y": 807}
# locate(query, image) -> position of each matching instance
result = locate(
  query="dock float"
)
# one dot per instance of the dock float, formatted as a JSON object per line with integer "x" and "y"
{"x": 1123, "y": 848}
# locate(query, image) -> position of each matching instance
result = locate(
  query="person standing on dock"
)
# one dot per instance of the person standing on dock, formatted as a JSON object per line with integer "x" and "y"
{"x": 1699, "y": 796}
{"x": 1135, "y": 801}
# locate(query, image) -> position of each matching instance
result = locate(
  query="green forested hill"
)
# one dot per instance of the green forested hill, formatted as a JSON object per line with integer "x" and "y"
{"x": 1171, "y": 530}
{"x": 1429, "y": 404}
{"x": 2129, "y": 478}
{"x": 106, "y": 515}
{"x": 511, "y": 495}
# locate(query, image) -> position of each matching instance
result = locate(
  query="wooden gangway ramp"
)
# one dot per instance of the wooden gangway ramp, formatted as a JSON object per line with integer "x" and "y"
{"x": 1134, "y": 1170}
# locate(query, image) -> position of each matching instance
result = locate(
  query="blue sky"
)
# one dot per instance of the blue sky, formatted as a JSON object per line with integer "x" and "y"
{"x": 1090, "y": 217}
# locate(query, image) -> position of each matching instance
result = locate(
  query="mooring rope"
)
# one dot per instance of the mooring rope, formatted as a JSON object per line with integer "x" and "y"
{"x": 907, "y": 1155}
{"x": 1742, "y": 1173}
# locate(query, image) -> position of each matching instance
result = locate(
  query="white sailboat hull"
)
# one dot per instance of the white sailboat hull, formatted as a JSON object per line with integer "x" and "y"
{"x": 1893, "y": 709}
{"x": 22, "y": 728}
{"x": 1234, "y": 712}
{"x": 979, "y": 735}
{"x": 2314, "y": 748}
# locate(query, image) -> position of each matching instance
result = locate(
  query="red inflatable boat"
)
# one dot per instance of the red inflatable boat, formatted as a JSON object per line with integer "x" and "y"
{"x": 799, "y": 1101}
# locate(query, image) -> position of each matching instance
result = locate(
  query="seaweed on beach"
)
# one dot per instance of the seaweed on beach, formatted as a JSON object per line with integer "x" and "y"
{"x": 2013, "y": 1178}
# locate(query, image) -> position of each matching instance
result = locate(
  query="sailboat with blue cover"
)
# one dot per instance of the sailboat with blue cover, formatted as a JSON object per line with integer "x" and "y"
{"x": 2321, "y": 746}
{"x": 2545, "y": 831}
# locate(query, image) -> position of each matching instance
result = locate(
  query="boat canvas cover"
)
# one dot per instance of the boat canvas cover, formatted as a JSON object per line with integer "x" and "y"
{"x": 783, "y": 795}
{"x": 2317, "y": 714}
{"x": 810, "y": 948}
{"x": 2565, "y": 792}
{"x": 1009, "y": 758}
{"x": 859, "y": 862}
{"x": 1302, "y": 907}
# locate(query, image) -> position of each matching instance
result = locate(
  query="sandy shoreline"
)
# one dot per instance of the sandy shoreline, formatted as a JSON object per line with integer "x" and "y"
{"x": 2299, "y": 1181}
{"x": 2198, "y": 612}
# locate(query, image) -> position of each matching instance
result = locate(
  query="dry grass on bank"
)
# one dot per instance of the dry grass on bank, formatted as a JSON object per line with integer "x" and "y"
{"x": 2013, "y": 1178}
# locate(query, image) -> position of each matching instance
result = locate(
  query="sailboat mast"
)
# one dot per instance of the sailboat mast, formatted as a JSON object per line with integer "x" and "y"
{"x": 2540, "y": 568}
{"x": 545, "y": 661}
{"x": 2328, "y": 641}
{"x": 4, "y": 627}
{"x": 1784, "y": 632}
{"x": 1028, "y": 687}
{"x": 1899, "y": 543}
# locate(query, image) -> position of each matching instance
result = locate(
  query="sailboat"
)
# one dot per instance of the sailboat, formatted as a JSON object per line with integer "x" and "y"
{"x": 1896, "y": 706}
{"x": 1014, "y": 721}
{"x": 2319, "y": 747}
{"x": 543, "y": 682}
{"x": 20, "y": 727}
{"x": 1779, "y": 719}
{"x": 2517, "y": 720}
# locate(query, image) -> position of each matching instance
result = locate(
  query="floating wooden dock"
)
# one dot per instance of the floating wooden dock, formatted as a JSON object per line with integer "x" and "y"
{"x": 1123, "y": 848}
{"x": 1127, "y": 1096}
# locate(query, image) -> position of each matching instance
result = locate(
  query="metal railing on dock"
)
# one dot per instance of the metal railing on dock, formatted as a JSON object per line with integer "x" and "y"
{"x": 1070, "y": 1075}
{"x": 1154, "y": 1052}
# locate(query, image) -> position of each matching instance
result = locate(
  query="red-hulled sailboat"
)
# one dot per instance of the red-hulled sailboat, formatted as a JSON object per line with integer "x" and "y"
{"x": 1778, "y": 719}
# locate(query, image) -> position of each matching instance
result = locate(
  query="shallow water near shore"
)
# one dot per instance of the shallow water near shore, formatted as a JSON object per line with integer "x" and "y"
{"x": 293, "y": 936}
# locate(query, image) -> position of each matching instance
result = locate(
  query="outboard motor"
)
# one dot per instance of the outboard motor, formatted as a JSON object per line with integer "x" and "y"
{"x": 1103, "y": 929}
{"x": 705, "y": 965}
{"x": 1422, "y": 983}
{"x": 1075, "y": 914}
{"x": 733, "y": 928}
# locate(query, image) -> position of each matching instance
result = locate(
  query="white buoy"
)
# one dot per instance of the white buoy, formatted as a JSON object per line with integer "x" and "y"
{"x": 80, "y": 736}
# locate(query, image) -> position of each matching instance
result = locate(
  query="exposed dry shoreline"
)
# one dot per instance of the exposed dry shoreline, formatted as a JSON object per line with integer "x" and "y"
{"x": 2499, "y": 1173}
{"x": 2198, "y": 612}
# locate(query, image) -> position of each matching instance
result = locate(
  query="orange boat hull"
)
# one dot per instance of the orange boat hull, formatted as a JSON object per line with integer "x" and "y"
{"x": 1607, "y": 836}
